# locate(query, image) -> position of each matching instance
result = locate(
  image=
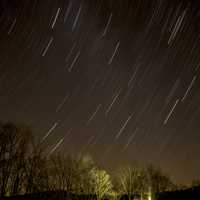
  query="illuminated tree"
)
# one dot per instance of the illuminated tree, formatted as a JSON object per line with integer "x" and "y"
{"x": 131, "y": 182}
{"x": 101, "y": 182}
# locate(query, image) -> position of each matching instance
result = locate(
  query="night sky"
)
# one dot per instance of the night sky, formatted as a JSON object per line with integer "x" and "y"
{"x": 118, "y": 79}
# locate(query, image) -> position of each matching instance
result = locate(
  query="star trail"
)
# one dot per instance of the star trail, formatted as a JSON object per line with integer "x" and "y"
{"x": 118, "y": 79}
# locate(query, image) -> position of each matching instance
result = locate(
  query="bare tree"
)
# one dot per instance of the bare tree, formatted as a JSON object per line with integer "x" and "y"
{"x": 62, "y": 173}
{"x": 18, "y": 166}
{"x": 131, "y": 181}
{"x": 158, "y": 181}
{"x": 36, "y": 173}
{"x": 14, "y": 143}
{"x": 70, "y": 173}
{"x": 101, "y": 182}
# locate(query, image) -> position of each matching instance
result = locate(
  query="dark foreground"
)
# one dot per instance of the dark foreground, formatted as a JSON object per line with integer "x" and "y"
{"x": 187, "y": 194}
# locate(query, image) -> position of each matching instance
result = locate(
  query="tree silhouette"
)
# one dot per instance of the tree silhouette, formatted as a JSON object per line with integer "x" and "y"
{"x": 158, "y": 181}
{"x": 26, "y": 168}
{"x": 14, "y": 148}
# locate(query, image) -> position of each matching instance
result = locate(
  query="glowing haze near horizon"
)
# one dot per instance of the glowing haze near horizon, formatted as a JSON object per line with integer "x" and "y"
{"x": 118, "y": 79}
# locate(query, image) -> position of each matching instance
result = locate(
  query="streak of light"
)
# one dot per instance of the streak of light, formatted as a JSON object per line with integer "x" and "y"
{"x": 74, "y": 61}
{"x": 93, "y": 115}
{"x": 76, "y": 19}
{"x": 12, "y": 26}
{"x": 177, "y": 27}
{"x": 197, "y": 67}
{"x": 173, "y": 89}
{"x": 47, "y": 47}
{"x": 68, "y": 133}
{"x": 67, "y": 11}
{"x": 112, "y": 103}
{"x": 171, "y": 111}
{"x": 114, "y": 53}
{"x": 123, "y": 127}
{"x": 189, "y": 88}
{"x": 62, "y": 103}
{"x": 107, "y": 25}
{"x": 55, "y": 19}
{"x": 134, "y": 75}
{"x": 49, "y": 132}
{"x": 130, "y": 139}
{"x": 98, "y": 136}
{"x": 70, "y": 53}
{"x": 56, "y": 146}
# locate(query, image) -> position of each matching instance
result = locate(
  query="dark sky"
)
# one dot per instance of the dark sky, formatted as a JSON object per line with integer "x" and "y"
{"x": 118, "y": 79}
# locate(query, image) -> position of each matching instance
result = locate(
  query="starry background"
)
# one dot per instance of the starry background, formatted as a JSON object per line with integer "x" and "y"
{"x": 118, "y": 79}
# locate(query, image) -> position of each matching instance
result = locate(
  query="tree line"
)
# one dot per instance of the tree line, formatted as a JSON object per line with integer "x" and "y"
{"x": 26, "y": 168}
